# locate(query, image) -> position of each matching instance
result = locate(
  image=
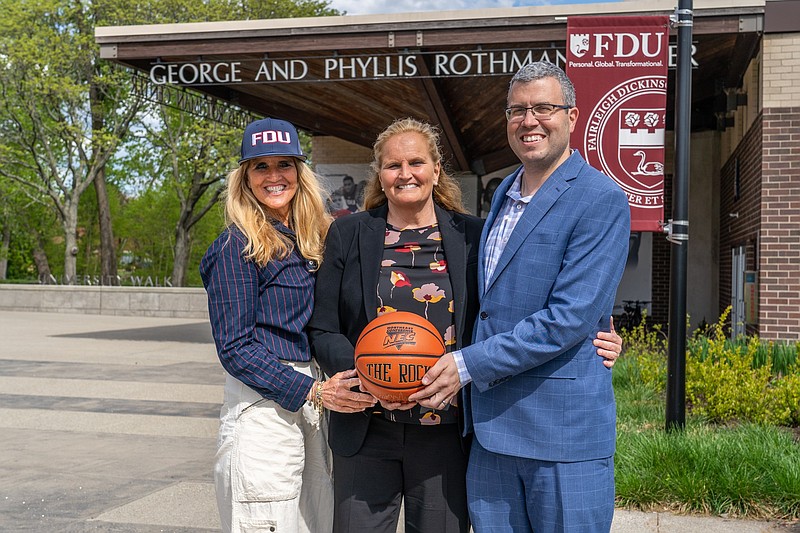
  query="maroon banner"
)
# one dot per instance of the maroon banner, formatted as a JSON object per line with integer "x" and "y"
{"x": 619, "y": 68}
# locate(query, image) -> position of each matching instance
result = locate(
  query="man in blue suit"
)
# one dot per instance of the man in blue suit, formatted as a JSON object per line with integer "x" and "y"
{"x": 538, "y": 399}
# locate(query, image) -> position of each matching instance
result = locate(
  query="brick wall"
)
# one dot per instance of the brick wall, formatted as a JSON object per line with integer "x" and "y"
{"x": 781, "y": 70}
{"x": 779, "y": 251}
{"x": 702, "y": 289}
{"x": 740, "y": 211}
{"x": 661, "y": 253}
{"x": 779, "y": 262}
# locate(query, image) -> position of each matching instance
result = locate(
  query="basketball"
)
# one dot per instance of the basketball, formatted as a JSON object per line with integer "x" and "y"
{"x": 393, "y": 353}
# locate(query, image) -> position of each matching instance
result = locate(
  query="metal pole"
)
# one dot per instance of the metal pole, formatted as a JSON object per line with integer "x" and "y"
{"x": 679, "y": 225}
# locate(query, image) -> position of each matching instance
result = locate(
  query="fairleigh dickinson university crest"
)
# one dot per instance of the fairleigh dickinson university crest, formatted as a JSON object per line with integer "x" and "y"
{"x": 634, "y": 155}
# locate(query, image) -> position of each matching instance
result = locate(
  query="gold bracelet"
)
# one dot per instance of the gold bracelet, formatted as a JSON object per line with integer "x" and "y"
{"x": 318, "y": 398}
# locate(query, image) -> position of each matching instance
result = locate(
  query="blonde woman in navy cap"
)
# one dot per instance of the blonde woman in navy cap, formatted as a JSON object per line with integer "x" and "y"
{"x": 272, "y": 470}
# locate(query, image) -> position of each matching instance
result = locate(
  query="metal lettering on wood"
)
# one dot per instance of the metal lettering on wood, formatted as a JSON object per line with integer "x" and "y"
{"x": 338, "y": 67}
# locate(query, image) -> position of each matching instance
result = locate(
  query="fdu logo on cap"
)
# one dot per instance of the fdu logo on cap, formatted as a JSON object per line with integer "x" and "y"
{"x": 268, "y": 137}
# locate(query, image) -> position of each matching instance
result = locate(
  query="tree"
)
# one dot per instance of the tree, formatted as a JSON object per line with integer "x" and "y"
{"x": 194, "y": 156}
{"x": 27, "y": 233}
{"x": 50, "y": 143}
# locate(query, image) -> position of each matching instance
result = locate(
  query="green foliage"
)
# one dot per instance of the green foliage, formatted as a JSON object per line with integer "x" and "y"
{"x": 733, "y": 457}
{"x": 112, "y": 12}
{"x": 749, "y": 470}
{"x": 64, "y": 112}
{"x": 729, "y": 388}
{"x": 644, "y": 361}
{"x": 745, "y": 380}
{"x": 148, "y": 224}
{"x": 723, "y": 462}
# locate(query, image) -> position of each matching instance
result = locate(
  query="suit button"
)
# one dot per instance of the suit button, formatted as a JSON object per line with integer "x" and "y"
{"x": 484, "y": 315}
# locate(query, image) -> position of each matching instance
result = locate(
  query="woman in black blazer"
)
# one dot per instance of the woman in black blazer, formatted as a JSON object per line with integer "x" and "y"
{"x": 414, "y": 230}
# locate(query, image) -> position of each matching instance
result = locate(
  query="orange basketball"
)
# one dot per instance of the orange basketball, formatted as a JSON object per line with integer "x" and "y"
{"x": 393, "y": 353}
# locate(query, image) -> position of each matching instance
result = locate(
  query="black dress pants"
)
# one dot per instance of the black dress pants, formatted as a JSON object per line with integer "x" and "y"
{"x": 424, "y": 466}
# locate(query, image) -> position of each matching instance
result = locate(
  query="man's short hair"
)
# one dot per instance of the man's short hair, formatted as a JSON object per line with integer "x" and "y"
{"x": 544, "y": 69}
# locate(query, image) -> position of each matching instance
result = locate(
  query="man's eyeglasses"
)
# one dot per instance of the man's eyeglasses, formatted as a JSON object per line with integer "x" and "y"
{"x": 541, "y": 112}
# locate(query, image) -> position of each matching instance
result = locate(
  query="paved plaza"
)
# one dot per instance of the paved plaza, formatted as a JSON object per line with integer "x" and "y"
{"x": 108, "y": 424}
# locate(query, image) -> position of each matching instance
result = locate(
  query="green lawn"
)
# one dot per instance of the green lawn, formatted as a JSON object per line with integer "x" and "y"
{"x": 735, "y": 469}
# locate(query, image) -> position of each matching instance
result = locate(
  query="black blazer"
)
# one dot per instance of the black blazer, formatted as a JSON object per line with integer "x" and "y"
{"x": 346, "y": 300}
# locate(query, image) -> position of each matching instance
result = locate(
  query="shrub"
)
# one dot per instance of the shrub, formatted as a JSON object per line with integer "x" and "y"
{"x": 725, "y": 386}
{"x": 741, "y": 380}
{"x": 645, "y": 361}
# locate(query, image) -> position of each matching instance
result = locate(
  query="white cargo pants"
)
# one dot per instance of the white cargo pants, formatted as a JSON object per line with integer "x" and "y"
{"x": 272, "y": 471}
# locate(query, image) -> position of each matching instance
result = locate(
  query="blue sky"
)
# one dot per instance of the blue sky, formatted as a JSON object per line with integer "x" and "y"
{"x": 364, "y": 7}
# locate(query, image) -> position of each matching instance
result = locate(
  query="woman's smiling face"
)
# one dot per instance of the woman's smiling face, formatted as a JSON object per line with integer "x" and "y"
{"x": 408, "y": 172}
{"x": 273, "y": 180}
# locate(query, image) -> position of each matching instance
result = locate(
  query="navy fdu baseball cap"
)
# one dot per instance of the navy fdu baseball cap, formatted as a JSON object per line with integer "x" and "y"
{"x": 270, "y": 136}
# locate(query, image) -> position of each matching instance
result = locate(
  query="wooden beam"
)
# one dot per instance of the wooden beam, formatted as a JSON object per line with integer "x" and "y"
{"x": 438, "y": 111}
{"x": 304, "y": 119}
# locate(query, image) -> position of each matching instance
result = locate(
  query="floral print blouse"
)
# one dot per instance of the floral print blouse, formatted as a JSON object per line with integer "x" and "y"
{"x": 414, "y": 278}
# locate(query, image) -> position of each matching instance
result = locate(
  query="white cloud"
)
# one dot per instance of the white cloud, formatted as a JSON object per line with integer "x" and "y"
{"x": 364, "y": 7}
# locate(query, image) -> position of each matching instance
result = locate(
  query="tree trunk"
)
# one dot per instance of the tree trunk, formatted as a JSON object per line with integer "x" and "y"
{"x": 4, "y": 251}
{"x": 108, "y": 252}
{"x": 181, "y": 256}
{"x": 41, "y": 262}
{"x": 42, "y": 265}
{"x": 71, "y": 243}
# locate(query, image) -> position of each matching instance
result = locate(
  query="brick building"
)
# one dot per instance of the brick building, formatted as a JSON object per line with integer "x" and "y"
{"x": 744, "y": 206}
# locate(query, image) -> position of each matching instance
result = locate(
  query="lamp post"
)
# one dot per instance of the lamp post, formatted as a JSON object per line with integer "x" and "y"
{"x": 678, "y": 226}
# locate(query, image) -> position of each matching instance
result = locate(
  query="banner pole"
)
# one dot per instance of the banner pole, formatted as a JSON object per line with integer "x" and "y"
{"x": 679, "y": 225}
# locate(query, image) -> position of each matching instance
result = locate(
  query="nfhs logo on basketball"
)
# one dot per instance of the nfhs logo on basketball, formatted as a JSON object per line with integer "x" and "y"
{"x": 393, "y": 353}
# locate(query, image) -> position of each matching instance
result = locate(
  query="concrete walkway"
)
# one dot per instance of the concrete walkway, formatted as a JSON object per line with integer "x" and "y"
{"x": 108, "y": 424}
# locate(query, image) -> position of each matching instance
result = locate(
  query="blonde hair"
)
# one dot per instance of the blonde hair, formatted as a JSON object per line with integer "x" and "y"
{"x": 447, "y": 193}
{"x": 307, "y": 217}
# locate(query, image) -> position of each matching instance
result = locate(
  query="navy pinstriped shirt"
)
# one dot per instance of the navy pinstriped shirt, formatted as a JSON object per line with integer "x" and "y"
{"x": 258, "y": 317}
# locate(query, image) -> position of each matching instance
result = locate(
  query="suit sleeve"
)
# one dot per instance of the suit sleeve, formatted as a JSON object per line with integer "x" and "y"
{"x": 232, "y": 284}
{"x": 332, "y": 349}
{"x": 582, "y": 292}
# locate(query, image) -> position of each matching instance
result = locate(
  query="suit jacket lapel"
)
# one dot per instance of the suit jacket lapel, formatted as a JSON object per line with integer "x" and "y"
{"x": 538, "y": 207}
{"x": 455, "y": 251}
{"x": 370, "y": 248}
{"x": 497, "y": 203}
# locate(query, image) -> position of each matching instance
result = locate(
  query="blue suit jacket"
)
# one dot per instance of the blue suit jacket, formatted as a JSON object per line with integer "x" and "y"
{"x": 539, "y": 390}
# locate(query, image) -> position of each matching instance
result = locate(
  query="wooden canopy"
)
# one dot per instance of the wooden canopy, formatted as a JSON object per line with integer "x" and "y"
{"x": 351, "y": 76}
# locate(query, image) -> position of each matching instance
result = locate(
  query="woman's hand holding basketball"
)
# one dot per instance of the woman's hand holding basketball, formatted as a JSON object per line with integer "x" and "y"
{"x": 337, "y": 393}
